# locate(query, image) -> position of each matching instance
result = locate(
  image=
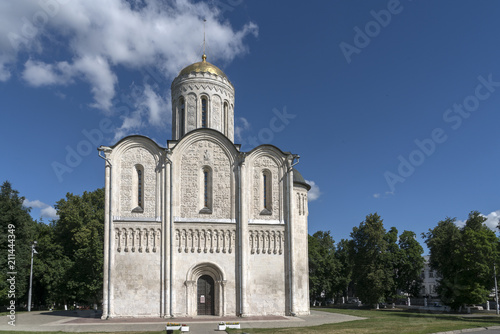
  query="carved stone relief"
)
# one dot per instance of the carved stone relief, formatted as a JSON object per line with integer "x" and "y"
{"x": 200, "y": 154}
{"x": 131, "y": 158}
{"x": 231, "y": 123}
{"x": 261, "y": 164}
{"x": 137, "y": 239}
{"x": 200, "y": 240}
{"x": 266, "y": 241}
{"x": 191, "y": 112}
{"x": 216, "y": 112}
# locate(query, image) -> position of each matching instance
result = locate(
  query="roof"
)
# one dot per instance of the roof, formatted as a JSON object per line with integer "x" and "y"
{"x": 299, "y": 179}
{"x": 203, "y": 66}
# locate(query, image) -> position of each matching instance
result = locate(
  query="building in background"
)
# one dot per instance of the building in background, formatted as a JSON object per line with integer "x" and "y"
{"x": 430, "y": 282}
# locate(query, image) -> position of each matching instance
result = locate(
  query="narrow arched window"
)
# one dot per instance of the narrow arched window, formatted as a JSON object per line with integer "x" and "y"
{"x": 299, "y": 204}
{"x": 266, "y": 193}
{"x": 265, "y": 190}
{"x": 182, "y": 116}
{"x": 204, "y": 113}
{"x": 138, "y": 189}
{"x": 226, "y": 119}
{"x": 304, "y": 207}
{"x": 206, "y": 190}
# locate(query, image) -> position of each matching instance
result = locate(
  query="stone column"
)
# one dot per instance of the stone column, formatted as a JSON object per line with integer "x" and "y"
{"x": 107, "y": 199}
{"x": 242, "y": 225}
{"x": 221, "y": 294}
{"x": 189, "y": 297}
{"x": 291, "y": 248}
{"x": 164, "y": 251}
{"x": 223, "y": 286}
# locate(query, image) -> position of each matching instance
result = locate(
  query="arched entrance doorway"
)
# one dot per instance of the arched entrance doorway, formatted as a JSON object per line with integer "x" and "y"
{"x": 206, "y": 289}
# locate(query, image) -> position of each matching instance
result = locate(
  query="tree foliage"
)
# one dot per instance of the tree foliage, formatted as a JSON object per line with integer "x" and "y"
{"x": 12, "y": 213}
{"x": 345, "y": 267}
{"x": 323, "y": 266}
{"x": 80, "y": 233}
{"x": 377, "y": 263}
{"x": 410, "y": 264}
{"x": 464, "y": 257}
{"x": 51, "y": 268}
{"x": 372, "y": 275}
{"x": 69, "y": 260}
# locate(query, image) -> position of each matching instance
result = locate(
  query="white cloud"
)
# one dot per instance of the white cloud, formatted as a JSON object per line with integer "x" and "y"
{"x": 49, "y": 212}
{"x": 99, "y": 37}
{"x": 492, "y": 220}
{"x": 460, "y": 223}
{"x": 241, "y": 125}
{"x": 314, "y": 193}
{"x": 130, "y": 123}
{"x": 385, "y": 195}
{"x": 154, "y": 105}
{"x": 37, "y": 73}
{"x": 97, "y": 71}
{"x": 34, "y": 204}
{"x": 150, "y": 108}
{"x": 46, "y": 211}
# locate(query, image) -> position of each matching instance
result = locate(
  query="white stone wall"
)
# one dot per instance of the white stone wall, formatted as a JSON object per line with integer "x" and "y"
{"x": 136, "y": 237}
{"x": 300, "y": 251}
{"x": 136, "y": 273}
{"x": 266, "y": 271}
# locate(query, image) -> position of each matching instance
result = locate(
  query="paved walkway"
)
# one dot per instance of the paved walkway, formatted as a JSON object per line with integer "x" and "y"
{"x": 88, "y": 321}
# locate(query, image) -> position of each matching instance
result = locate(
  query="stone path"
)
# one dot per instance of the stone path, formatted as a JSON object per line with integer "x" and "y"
{"x": 89, "y": 321}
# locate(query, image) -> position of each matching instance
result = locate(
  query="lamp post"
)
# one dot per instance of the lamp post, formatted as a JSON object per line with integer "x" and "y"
{"x": 33, "y": 251}
{"x": 496, "y": 288}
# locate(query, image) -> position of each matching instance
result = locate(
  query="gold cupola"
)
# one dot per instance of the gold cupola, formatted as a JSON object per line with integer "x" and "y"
{"x": 203, "y": 66}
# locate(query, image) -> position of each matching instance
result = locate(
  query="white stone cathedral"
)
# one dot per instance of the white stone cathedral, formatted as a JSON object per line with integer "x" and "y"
{"x": 200, "y": 227}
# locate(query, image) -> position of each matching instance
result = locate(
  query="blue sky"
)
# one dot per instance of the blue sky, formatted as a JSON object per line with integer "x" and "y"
{"x": 392, "y": 105}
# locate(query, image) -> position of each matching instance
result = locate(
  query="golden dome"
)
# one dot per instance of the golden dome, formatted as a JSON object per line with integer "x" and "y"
{"x": 203, "y": 66}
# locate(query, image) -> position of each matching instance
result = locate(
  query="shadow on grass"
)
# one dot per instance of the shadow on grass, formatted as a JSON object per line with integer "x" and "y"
{"x": 75, "y": 313}
{"x": 446, "y": 315}
{"x": 415, "y": 313}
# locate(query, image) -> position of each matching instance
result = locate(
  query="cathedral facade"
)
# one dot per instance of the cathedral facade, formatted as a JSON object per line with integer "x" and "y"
{"x": 199, "y": 227}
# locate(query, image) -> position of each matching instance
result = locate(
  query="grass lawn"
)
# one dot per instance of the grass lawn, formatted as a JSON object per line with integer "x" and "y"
{"x": 153, "y": 332}
{"x": 378, "y": 321}
{"x": 388, "y": 322}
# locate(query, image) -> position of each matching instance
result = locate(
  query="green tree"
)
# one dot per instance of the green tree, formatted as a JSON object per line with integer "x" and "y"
{"x": 15, "y": 218}
{"x": 410, "y": 264}
{"x": 371, "y": 274}
{"x": 392, "y": 259}
{"x": 51, "y": 267}
{"x": 323, "y": 267}
{"x": 345, "y": 267}
{"x": 79, "y": 232}
{"x": 464, "y": 258}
